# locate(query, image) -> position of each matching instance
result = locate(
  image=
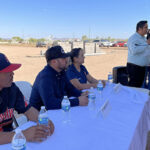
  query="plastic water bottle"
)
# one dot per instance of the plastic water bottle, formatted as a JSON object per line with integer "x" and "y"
{"x": 91, "y": 98}
{"x": 110, "y": 77}
{"x": 43, "y": 116}
{"x": 65, "y": 105}
{"x": 100, "y": 86}
{"x": 18, "y": 141}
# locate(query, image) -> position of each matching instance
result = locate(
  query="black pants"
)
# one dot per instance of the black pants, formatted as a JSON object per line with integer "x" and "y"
{"x": 136, "y": 75}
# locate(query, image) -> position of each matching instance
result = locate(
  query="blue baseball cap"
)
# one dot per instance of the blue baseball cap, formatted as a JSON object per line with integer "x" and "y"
{"x": 6, "y": 66}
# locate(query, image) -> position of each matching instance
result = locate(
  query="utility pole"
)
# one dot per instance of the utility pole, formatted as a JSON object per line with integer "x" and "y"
{"x": 89, "y": 33}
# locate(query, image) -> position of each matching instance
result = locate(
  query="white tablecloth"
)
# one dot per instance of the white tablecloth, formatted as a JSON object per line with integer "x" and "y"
{"x": 123, "y": 128}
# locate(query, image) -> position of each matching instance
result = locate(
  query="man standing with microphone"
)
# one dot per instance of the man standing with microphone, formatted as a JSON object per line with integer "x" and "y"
{"x": 138, "y": 49}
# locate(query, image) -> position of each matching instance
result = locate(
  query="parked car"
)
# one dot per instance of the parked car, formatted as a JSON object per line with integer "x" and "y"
{"x": 125, "y": 45}
{"x": 105, "y": 43}
{"x": 120, "y": 44}
{"x": 41, "y": 44}
{"x": 96, "y": 41}
{"x": 87, "y": 41}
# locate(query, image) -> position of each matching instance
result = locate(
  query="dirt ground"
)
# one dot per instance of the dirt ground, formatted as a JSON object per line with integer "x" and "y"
{"x": 98, "y": 66}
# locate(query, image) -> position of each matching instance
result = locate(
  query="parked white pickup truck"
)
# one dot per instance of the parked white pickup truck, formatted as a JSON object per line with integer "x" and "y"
{"x": 105, "y": 43}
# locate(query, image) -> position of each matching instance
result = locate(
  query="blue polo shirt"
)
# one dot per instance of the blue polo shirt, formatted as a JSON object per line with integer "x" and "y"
{"x": 73, "y": 73}
{"x": 49, "y": 89}
{"x": 10, "y": 99}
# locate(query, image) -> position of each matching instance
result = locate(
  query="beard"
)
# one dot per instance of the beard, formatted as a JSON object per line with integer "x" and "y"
{"x": 62, "y": 68}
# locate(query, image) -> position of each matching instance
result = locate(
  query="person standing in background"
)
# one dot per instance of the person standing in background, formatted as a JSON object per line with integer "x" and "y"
{"x": 146, "y": 83}
{"x": 138, "y": 47}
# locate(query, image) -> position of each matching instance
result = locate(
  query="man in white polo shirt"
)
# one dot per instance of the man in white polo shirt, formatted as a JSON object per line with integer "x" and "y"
{"x": 138, "y": 49}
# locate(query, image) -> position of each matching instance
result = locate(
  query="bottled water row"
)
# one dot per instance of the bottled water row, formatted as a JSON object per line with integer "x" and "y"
{"x": 100, "y": 87}
{"x": 65, "y": 105}
{"x": 19, "y": 140}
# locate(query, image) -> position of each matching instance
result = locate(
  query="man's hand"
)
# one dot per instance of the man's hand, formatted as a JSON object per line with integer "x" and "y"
{"x": 94, "y": 85}
{"x": 148, "y": 41}
{"x": 104, "y": 82}
{"x": 32, "y": 114}
{"x": 37, "y": 133}
{"x": 85, "y": 93}
{"x": 51, "y": 127}
{"x": 83, "y": 100}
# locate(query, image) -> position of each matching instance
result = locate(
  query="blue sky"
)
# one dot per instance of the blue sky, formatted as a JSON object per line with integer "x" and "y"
{"x": 71, "y": 18}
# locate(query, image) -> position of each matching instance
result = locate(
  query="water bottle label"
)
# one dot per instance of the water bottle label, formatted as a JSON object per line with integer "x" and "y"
{"x": 91, "y": 97}
{"x": 100, "y": 88}
{"x": 109, "y": 77}
{"x": 43, "y": 121}
{"x": 65, "y": 108}
{"x": 91, "y": 104}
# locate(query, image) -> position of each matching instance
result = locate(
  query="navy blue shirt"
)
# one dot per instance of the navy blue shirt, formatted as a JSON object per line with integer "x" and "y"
{"x": 73, "y": 73}
{"x": 49, "y": 89}
{"x": 10, "y": 99}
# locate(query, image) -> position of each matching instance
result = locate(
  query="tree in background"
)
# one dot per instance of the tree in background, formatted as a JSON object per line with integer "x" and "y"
{"x": 109, "y": 38}
{"x": 84, "y": 38}
{"x": 97, "y": 38}
{"x": 41, "y": 40}
{"x": 55, "y": 43}
{"x": 17, "y": 39}
{"x": 32, "y": 40}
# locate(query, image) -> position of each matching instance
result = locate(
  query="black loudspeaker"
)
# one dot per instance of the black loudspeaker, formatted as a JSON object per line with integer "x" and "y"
{"x": 120, "y": 75}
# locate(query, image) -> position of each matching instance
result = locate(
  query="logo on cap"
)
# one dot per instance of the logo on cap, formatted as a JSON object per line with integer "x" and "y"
{"x": 6, "y": 59}
{"x": 62, "y": 50}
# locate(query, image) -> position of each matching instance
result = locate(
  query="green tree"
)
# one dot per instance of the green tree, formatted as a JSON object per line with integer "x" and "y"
{"x": 84, "y": 37}
{"x": 97, "y": 38}
{"x": 109, "y": 38}
{"x": 17, "y": 38}
{"x": 32, "y": 40}
{"x": 55, "y": 43}
{"x": 41, "y": 40}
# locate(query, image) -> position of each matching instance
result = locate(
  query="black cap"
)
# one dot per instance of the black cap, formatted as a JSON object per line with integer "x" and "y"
{"x": 55, "y": 52}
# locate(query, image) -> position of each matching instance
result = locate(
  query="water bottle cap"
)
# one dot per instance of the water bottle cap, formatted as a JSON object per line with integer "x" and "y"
{"x": 65, "y": 97}
{"x": 42, "y": 107}
{"x": 100, "y": 81}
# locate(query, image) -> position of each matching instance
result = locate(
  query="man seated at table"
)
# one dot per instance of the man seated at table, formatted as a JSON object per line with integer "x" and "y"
{"x": 12, "y": 99}
{"x": 51, "y": 84}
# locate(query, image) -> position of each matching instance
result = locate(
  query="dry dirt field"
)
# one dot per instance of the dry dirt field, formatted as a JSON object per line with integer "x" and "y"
{"x": 98, "y": 66}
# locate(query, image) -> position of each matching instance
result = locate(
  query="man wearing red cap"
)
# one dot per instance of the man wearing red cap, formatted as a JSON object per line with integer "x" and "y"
{"x": 12, "y": 99}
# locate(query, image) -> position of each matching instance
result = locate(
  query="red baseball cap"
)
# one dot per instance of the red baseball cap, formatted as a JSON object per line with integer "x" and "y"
{"x": 6, "y": 66}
